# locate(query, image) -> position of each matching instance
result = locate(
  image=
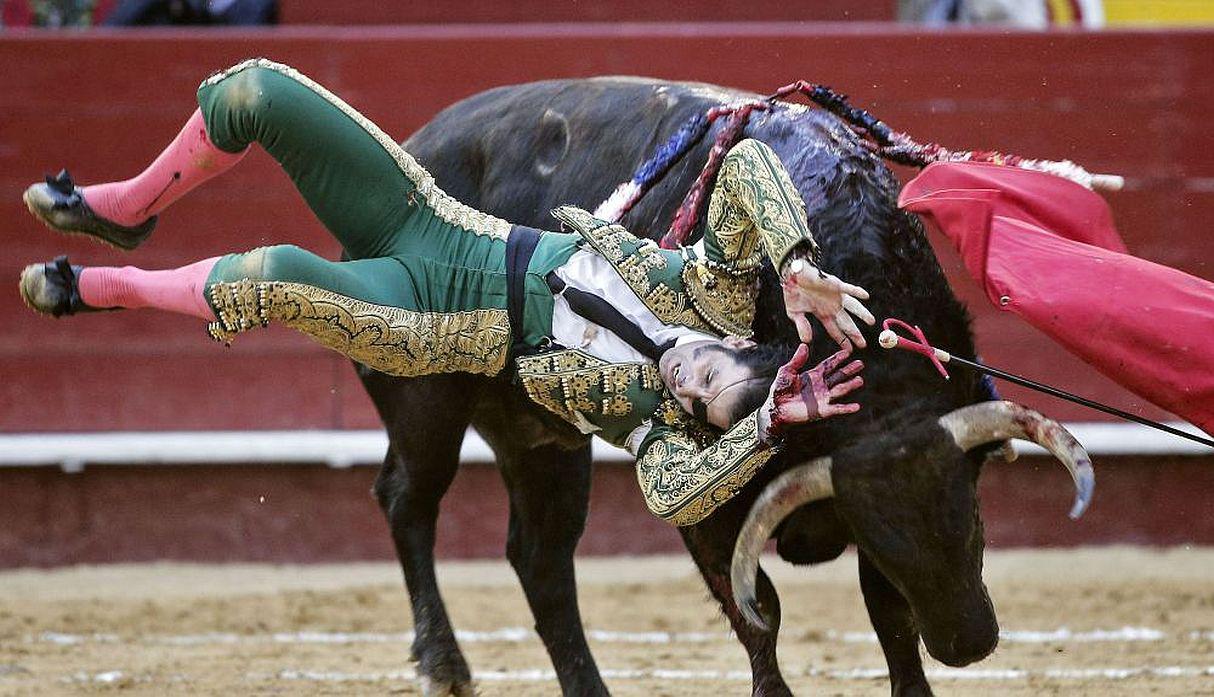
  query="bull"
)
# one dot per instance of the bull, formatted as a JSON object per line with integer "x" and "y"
{"x": 898, "y": 479}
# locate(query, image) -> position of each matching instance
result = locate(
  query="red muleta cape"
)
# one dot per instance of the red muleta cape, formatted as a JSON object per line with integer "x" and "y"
{"x": 1045, "y": 248}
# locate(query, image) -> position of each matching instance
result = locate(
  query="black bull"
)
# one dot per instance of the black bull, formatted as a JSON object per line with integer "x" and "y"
{"x": 905, "y": 495}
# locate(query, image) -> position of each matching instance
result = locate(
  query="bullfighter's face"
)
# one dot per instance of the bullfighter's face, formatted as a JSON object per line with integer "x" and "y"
{"x": 706, "y": 377}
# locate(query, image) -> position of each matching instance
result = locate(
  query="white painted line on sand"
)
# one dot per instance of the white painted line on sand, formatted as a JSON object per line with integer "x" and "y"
{"x": 110, "y": 677}
{"x": 547, "y": 675}
{"x": 1062, "y": 634}
{"x": 514, "y": 635}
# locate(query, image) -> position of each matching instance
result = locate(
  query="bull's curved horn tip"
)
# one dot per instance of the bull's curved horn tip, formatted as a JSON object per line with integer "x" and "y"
{"x": 749, "y": 607}
{"x": 1085, "y": 485}
{"x": 983, "y": 422}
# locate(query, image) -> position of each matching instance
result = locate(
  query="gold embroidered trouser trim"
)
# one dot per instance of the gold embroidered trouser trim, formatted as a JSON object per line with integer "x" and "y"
{"x": 389, "y": 339}
{"x": 684, "y": 482}
{"x": 445, "y": 207}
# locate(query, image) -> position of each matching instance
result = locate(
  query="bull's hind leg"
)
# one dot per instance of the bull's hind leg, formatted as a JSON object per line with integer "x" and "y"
{"x": 711, "y": 545}
{"x": 422, "y": 459}
{"x": 895, "y": 626}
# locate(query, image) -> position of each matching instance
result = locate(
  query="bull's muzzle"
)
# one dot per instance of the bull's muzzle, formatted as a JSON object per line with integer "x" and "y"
{"x": 970, "y": 427}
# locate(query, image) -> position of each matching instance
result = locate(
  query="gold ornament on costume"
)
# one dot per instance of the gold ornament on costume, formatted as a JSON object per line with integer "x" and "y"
{"x": 389, "y": 339}
{"x": 633, "y": 258}
{"x": 725, "y": 300}
{"x": 562, "y": 381}
{"x": 754, "y": 208}
{"x": 684, "y": 478}
{"x": 753, "y": 192}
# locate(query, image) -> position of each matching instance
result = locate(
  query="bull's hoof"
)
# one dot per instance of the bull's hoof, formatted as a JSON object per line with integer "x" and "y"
{"x": 770, "y": 688}
{"x": 442, "y": 671}
{"x": 60, "y": 205}
{"x": 442, "y": 688}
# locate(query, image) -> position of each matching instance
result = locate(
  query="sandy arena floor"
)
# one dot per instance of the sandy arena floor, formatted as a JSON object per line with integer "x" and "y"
{"x": 1107, "y": 621}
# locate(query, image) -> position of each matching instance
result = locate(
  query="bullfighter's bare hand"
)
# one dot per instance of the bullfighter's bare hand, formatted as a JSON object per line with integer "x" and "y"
{"x": 833, "y": 302}
{"x": 798, "y": 396}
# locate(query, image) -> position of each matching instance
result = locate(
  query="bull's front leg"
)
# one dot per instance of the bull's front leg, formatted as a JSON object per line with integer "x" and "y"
{"x": 422, "y": 459}
{"x": 894, "y": 623}
{"x": 549, "y": 490}
{"x": 711, "y": 545}
{"x": 546, "y": 467}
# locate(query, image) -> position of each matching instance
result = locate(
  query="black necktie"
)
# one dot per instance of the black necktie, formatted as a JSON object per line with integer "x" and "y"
{"x": 593, "y": 308}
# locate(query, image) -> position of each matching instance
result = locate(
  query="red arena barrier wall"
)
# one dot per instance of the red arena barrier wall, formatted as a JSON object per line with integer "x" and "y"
{"x": 105, "y": 102}
{"x": 309, "y": 513}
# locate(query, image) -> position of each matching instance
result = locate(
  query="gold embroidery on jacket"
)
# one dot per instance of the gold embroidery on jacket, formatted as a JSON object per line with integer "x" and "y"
{"x": 684, "y": 477}
{"x": 670, "y": 413}
{"x": 445, "y": 207}
{"x": 753, "y": 192}
{"x": 667, "y": 304}
{"x": 617, "y": 405}
{"x": 735, "y": 232}
{"x": 551, "y": 380}
{"x": 561, "y": 382}
{"x": 389, "y": 339}
{"x": 724, "y": 300}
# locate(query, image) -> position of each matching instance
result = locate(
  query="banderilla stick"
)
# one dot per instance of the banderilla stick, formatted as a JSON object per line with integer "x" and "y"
{"x": 890, "y": 339}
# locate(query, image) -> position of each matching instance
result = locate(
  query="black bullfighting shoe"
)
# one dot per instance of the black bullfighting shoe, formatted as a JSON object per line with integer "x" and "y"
{"x": 52, "y": 288}
{"x": 58, "y": 203}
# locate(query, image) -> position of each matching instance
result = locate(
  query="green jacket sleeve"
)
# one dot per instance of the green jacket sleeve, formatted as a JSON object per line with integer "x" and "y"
{"x": 754, "y": 208}
{"x": 685, "y": 479}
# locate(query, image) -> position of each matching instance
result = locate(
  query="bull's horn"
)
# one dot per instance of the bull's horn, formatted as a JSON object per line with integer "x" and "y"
{"x": 987, "y": 422}
{"x": 796, "y": 487}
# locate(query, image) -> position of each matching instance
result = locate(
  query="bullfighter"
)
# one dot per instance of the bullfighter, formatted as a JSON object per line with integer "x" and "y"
{"x": 609, "y": 332}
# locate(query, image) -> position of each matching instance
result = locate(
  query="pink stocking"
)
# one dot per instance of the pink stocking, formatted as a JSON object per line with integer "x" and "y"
{"x": 176, "y": 290}
{"x": 188, "y": 161}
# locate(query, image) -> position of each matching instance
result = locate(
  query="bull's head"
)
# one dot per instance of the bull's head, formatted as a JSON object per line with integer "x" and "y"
{"x": 910, "y": 500}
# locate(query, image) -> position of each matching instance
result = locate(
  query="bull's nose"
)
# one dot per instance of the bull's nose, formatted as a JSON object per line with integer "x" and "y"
{"x": 964, "y": 648}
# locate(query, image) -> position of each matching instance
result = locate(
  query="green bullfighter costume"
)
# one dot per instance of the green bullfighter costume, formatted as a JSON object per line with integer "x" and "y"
{"x": 426, "y": 287}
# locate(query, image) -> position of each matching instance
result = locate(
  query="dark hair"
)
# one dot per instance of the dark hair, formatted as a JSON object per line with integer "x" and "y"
{"x": 763, "y": 360}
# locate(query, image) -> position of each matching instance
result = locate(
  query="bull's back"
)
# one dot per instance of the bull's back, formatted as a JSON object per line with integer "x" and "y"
{"x": 521, "y": 150}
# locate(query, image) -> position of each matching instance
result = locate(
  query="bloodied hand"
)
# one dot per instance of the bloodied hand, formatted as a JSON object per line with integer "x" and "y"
{"x": 836, "y": 304}
{"x": 800, "y": 396}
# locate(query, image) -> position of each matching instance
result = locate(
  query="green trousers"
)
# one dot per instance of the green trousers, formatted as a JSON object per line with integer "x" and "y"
{"x": 424, "y": 290}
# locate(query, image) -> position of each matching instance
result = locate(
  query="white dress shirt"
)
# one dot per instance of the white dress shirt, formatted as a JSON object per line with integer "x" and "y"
{"x": 588, "y": 271}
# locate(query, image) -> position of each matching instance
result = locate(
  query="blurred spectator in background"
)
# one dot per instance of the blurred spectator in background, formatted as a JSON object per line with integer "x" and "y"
{"x": 1030, "y": 14}
{"x": 226, "y": 12}
{"x": 126, "y": 13}
{"x": 59, "y": 13}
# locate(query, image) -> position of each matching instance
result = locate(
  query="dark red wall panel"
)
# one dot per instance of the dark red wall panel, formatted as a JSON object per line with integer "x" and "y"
{"x": 113, "y": 514}
{"x": 103, "y": 103}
